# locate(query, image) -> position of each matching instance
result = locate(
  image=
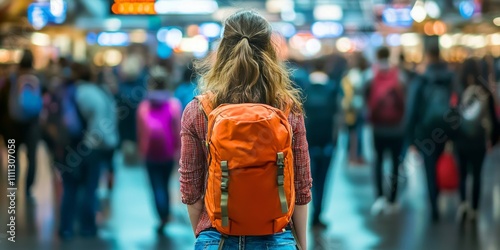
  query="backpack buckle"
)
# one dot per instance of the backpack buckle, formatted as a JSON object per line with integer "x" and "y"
{"x": 281, "y": 159}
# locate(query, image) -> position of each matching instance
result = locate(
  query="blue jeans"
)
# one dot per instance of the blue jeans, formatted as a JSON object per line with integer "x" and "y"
{"x": 210, "y": 239}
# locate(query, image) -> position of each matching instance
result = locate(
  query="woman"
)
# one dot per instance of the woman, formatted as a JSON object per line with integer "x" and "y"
{"x": 246, "y": 70}
{"x": 477, "y": 134}
{"x": 158, "y": 127}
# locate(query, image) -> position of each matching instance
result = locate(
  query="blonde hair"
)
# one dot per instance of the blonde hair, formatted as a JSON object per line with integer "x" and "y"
{"x": 246, "y": 68}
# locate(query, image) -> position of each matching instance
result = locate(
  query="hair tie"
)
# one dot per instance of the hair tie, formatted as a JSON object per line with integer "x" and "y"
{"x": 245, "y": 37}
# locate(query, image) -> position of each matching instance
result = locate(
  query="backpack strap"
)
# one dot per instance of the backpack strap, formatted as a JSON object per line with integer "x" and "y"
{"x": 224, "y": 193}
{"x": 281, "y": 181}
{"x": 206, "y": 102}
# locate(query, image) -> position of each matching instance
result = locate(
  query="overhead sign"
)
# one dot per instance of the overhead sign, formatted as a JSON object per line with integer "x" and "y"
{"x": 397, "y": 17}
{"x": 42, "y": 13}
{"x": 133, "y": 7}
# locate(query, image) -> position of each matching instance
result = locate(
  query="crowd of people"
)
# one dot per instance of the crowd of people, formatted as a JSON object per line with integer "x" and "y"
{"x": 409, "y": 110}
{"x": 85, "y": 114}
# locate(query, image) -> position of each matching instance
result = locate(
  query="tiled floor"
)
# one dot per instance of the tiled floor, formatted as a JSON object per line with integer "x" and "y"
{"x": 131, "y": 219}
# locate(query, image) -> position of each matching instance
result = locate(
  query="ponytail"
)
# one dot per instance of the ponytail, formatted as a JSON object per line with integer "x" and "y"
{"x": 246, "y": 67}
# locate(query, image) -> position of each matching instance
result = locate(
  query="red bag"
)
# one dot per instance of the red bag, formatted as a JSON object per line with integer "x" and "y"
{"x": 447, "y": 171}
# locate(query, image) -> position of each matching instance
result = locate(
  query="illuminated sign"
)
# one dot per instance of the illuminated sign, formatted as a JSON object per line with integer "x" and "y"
{"x": 397, "y": 17}
{"x": 154, "y": 7}
{"x": 42, "y": 13}
{"x": 133, "y": 7}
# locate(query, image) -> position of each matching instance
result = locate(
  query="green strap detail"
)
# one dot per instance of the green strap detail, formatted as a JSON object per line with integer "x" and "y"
{"x": 281, "y": 181}
{"x": 221, "y": 243}
{"x": 224, "y": 193}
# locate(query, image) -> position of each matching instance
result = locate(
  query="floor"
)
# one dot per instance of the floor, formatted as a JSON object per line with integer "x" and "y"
{"x": 129, "y": 220}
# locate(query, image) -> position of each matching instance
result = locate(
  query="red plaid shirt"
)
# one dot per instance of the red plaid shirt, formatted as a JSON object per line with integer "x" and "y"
{"x": 193, "y": 163}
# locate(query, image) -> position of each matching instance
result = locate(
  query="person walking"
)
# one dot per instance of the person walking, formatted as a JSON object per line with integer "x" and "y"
{"x": 321, "y": 125}
{"x": 244, "y": 165}
{"x": 478, "y": 132}
{"x": 428, "y": 131}
{"x": 158, "y": 127}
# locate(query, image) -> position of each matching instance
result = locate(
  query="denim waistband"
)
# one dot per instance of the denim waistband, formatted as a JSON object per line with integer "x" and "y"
{"x": 287, "y": 228}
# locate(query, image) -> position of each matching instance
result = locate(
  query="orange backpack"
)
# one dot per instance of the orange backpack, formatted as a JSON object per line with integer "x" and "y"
{"x": 250, "y": 188}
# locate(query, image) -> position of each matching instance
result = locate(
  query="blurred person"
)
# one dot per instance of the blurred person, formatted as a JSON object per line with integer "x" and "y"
{"x": 96, "y": 106}
{"x": 336, "y": 66}
{"x": 299, "y": 74}
{"x": 478, "y": 132}
{"x": 321, "y": 125}
{"x": 406, "y": 69}
{"x": 353, "y": 105}
{"x": 386, "y": 104}
{"x": 246, "y": 70}
{"x": 427, "y": 130}
{"x": 407, "y": 72}
{"x": 185, "y": 92}
{"x": 22, "y": 102}
{"x": 158, "y": 124}
{"x": 50, "y": 114}
{"x": 132, "y": 75}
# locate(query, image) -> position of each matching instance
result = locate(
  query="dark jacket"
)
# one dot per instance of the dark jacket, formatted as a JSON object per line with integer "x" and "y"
{"x": 418, "y": 100}
{"x": 320, "y": 107}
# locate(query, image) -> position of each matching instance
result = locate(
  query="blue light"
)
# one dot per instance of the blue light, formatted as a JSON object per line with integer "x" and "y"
{"x": 42, "y": 13}
{"x": 327, "y": 29}
{"x": 394, "y": 40}
{"x": 113, "y": 39}
{"x": 161, "y": 35}
{"x": 397, "y": 17}
{"x": 284, "y": 28}
{"x": 38, "y": 15}
{"x": 376, "y": 40}
{"x": 210, "y": 30}
{"x": 164, "y": 51}
{"x": 466, "y": 9}
{"x": 91, "y": 38}
{"x": 288, "y": 30}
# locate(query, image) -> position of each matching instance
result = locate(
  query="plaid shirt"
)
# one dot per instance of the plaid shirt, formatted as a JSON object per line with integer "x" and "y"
{"x": 193, "y": 161}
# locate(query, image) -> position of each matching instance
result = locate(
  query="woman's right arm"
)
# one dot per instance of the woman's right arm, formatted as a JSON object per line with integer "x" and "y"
{"x": 192, "y": 164}
{"x": 194, "y": 211}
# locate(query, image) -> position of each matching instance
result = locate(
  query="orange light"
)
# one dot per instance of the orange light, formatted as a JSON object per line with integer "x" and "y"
{"x": 131, "y": 8}
{"x": 115, "y": 8}
{"x": 140, "y": 8}
{"x": 429, "y": 29}
{"x": 150, "y": 8}
{"x": 192, "y": 30}
{"x": 439, "y": 28}
{"x": 177, "y": 50}
{"x": 124, "y": 8}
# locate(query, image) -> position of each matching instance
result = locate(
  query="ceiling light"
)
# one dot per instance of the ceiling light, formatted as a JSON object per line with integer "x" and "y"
{"x": 418, "y": 12}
